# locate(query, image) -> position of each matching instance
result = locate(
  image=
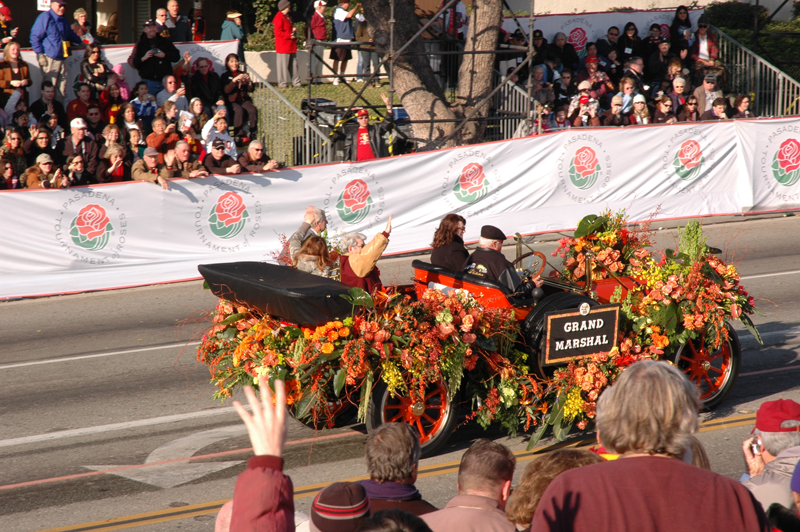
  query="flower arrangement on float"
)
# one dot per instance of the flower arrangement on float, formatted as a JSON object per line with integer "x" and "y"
{"x": 451, "y": 338}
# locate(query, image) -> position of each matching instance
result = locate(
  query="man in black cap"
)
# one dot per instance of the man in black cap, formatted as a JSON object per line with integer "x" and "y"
{"x": 489, "y": 262}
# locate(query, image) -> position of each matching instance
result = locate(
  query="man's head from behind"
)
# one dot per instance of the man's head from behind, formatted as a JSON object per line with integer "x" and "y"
{"x": 651, "y": 409}
{"x": 492, "y": 238}
{"x": 393, "y": 453}
{"x": 487, "y": 469}
{"x": 778, "y": 425}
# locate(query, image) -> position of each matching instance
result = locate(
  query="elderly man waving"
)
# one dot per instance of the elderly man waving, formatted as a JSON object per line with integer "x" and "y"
{"x": 358, "y": 264}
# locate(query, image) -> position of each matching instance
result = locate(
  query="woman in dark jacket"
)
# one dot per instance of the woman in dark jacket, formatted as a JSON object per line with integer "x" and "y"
{"x": 630, "y": 44}
{"x": 94, "y": 70}
{"x": 564, "y": 51}
{"x": 448, "y": 245}
{"x": 680, "y": 30}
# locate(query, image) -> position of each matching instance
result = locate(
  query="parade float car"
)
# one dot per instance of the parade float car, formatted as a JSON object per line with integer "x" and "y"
{"x": 565, "y": 323}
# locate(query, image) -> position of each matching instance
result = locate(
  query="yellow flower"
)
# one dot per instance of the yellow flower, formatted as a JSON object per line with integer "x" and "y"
{"x": 573, "y": 406}
{"x": 327, "y": 348}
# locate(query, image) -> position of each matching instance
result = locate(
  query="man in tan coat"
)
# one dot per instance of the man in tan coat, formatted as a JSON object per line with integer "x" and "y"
{"x": 149, "y": 169}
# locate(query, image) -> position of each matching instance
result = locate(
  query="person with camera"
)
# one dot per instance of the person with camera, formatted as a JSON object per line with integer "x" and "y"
{"x": 586, "y": 113}
{"x": 153, "y": 57}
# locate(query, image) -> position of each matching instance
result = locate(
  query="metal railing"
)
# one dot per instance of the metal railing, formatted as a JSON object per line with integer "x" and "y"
{"x": 288, "y": 136}
{"x": 774, "y": 92}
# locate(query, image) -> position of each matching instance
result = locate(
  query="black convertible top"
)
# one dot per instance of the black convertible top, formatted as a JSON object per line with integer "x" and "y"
{"x": 279, "y": 291}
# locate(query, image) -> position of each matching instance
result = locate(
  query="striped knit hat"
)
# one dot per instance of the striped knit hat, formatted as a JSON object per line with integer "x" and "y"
{"x": 341, "y": 507}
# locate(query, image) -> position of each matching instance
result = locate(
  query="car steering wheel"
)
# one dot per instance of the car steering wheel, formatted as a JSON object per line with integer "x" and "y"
{"x": 535, "y": 265}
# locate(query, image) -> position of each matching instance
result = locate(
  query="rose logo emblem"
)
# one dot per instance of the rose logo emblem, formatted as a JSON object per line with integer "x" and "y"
{"x": 354, "y": 202}
{"x": 229, "y": 216}
{"x": 91, "y": 228}
{"x": 584, "y": 168}
{"x": 472, "y": 184}
{"x": 786, "y": 163}
{"x": 688, "y": 160}
{"x": 665, "y": 31}
{"x": 577, "y": 38}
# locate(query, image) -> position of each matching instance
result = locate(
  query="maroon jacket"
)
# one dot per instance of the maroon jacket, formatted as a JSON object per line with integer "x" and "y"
{"x": 369, "y": 283}
{"x": 263, "y": 498}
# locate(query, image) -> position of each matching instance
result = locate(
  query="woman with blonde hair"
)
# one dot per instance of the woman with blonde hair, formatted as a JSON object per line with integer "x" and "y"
{"x": 313, "y": 257}
{"x": 640, "y": 114}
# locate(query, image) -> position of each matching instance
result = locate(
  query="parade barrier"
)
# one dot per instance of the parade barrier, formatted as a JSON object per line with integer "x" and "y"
{"x": 216, "y": 51}
{"x": 128, "y": 234}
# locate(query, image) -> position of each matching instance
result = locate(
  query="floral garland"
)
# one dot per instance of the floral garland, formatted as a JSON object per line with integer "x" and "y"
{"x": 452, "y": 339}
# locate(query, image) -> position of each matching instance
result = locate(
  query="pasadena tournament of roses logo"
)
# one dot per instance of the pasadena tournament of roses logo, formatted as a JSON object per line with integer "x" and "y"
{"x": 688, "y": 160}
{"x": 91, "y": 229}
{"x": 578, "y": 31}
{"x": 786, "y": 163}
{"x": 354, "y": 202}
{"x": 578, "y": 39}
{"x": 472, "y": 184}
{"x": 229, "y": 216}
{"x": 584, "y": 167}
{"x": 90, "y": 226}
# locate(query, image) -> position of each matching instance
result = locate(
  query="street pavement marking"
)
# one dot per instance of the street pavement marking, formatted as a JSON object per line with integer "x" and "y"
{"x": 160, "y": 516}
{"x": 775, "y": 370}
{"x": 746, "y": 277}
{"x": 98, "y": 355}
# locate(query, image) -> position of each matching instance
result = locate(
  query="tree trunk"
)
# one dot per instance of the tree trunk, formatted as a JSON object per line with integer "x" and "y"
{"x": 415, "y": 81}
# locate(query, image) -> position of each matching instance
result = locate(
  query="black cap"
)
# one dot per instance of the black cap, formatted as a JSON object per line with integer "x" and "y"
{"x": 663, "y": 40}
{"x": 492, "y": 233}
{"x": 518, "y": 34}
{"x": 218, "y": 143}
{"x": 537, "y": 34}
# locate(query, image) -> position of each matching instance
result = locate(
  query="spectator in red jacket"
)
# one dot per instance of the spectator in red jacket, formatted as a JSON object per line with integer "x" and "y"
{"x": 286, "y": 46}
{"x": 705, "y": 52}
{"x": 318, "y": 32}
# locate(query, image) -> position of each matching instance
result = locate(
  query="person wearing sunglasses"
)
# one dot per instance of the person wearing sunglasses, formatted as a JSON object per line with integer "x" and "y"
{"x": 11, "y": 150}
{"x": 8, "y": 178}
{"x": 705, "y": 52}
{"x": 663, "y": 113}
{"x": 219, "y": 162}
{"x": 45, "y": 174}
{"x": 689, "y": 111}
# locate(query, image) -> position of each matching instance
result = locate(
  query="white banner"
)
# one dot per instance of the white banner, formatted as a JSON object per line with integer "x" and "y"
{"x": 581, "y": 28}
{"x": 216, "y": 51}
{"x": 115, "y": 235}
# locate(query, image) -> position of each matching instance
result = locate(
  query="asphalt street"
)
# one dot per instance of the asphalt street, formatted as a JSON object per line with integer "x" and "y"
{"x": 103, "y": 401}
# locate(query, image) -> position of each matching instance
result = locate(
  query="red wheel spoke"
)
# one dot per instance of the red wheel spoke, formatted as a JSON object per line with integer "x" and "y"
{"x": 393, "y": 407}
{"x": 429, "y": 418}
{"x": 687, "y": 359}
{"x": 717, "y": 370}
{"x": 399, "y": 416}
{"x": 422, "y": 429}
{"x": 434, "y": 393}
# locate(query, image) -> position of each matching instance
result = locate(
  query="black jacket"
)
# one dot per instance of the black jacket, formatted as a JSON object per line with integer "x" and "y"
{"x": 209, "y": 92}
{"x": 155, "y": 68}
{"x": 376, "y": 142}
{"x": 492, "y": 266}
{"x": 451, "y": 255}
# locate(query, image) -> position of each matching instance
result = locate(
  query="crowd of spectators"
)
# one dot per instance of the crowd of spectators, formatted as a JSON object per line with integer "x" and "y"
{"x": 649, "y": 472}
{"x": 625, "y": 79}
{"x": 169, "y": 124}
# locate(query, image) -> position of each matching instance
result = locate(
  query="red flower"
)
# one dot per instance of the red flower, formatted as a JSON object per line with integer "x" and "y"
{"x": 789, "y": 155}
{"x": 472, "y": 177}
{"x": 585, "y": 161}
{"x": 356, "y": 195}
{"x": 229, "y": 209}
{"x": 92, "y": 221}
{"x": 577, "y": 38}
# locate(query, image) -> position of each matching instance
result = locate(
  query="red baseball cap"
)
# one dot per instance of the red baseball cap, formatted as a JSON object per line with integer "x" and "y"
{"x": 583, "y": 99}
{"x": 592, "y": 59}
{"x": 772, "y": 413}
{"x": 362, "y": 112}
{"x": 6, "y": 12}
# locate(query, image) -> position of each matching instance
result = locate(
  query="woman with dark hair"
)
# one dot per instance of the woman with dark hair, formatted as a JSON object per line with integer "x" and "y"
{"x": 94, "y": 70}
{"x": 630, "y": 44}
{"x": 237, "y": 87}
{"x": 394, "y": 520}
{"x": 680, "y": 31}
{"x": 448, "y": 243}
{"x": 313, "y": 257}
{"x": 200, "y": 115}
{"x": 38, "y": 144}
{"x": 689, "y": 113}
{"x": 77, "y": 174}
{"x": 111, "y": 103}
{"x": 663, "y": 113}
{"x": 127, "y": 119}
{"x": 538, "y": 474}
{"x": 741, "y": 107}
{"x": 11, "y": 150}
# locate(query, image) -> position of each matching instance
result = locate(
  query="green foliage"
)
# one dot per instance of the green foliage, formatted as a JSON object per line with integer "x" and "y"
{"x": 691, "y": 241}
{"x": 735, "y": 15}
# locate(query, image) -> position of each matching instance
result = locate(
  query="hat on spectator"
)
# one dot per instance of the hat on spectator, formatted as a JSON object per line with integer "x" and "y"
{"x": 617, "y": 100}
{"x": 5, "y": 11}
{"x": 583, "y": 99}
{"x": 772, "y": 414}
{"x": 492, "y": 233}
{"x": 150, "y": 22}
{"x": 518, "y": 34}
{"x": 78, "y": 123}
{"x": 591, "y": 59}
{"x": 795, "y": 485}
{"x": 320, "y": 3}
{"x": 151, "y": 152}
{"x": 62, "y": 2}
{"x": 233, "y": 14}
{"x": 710, "y": 78}
{"x": 341, "y": 507}
{"x": 44, "y": 158}
{"x": 585, "y": 85}
{"x": 663, "y": 40}
{"x": 283, "y": 4}
{"x": 639, "y": 98}
{"x": 218, "y": 143}
{"x": 362, "y": 112}
{"x": 537, "y": 34}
